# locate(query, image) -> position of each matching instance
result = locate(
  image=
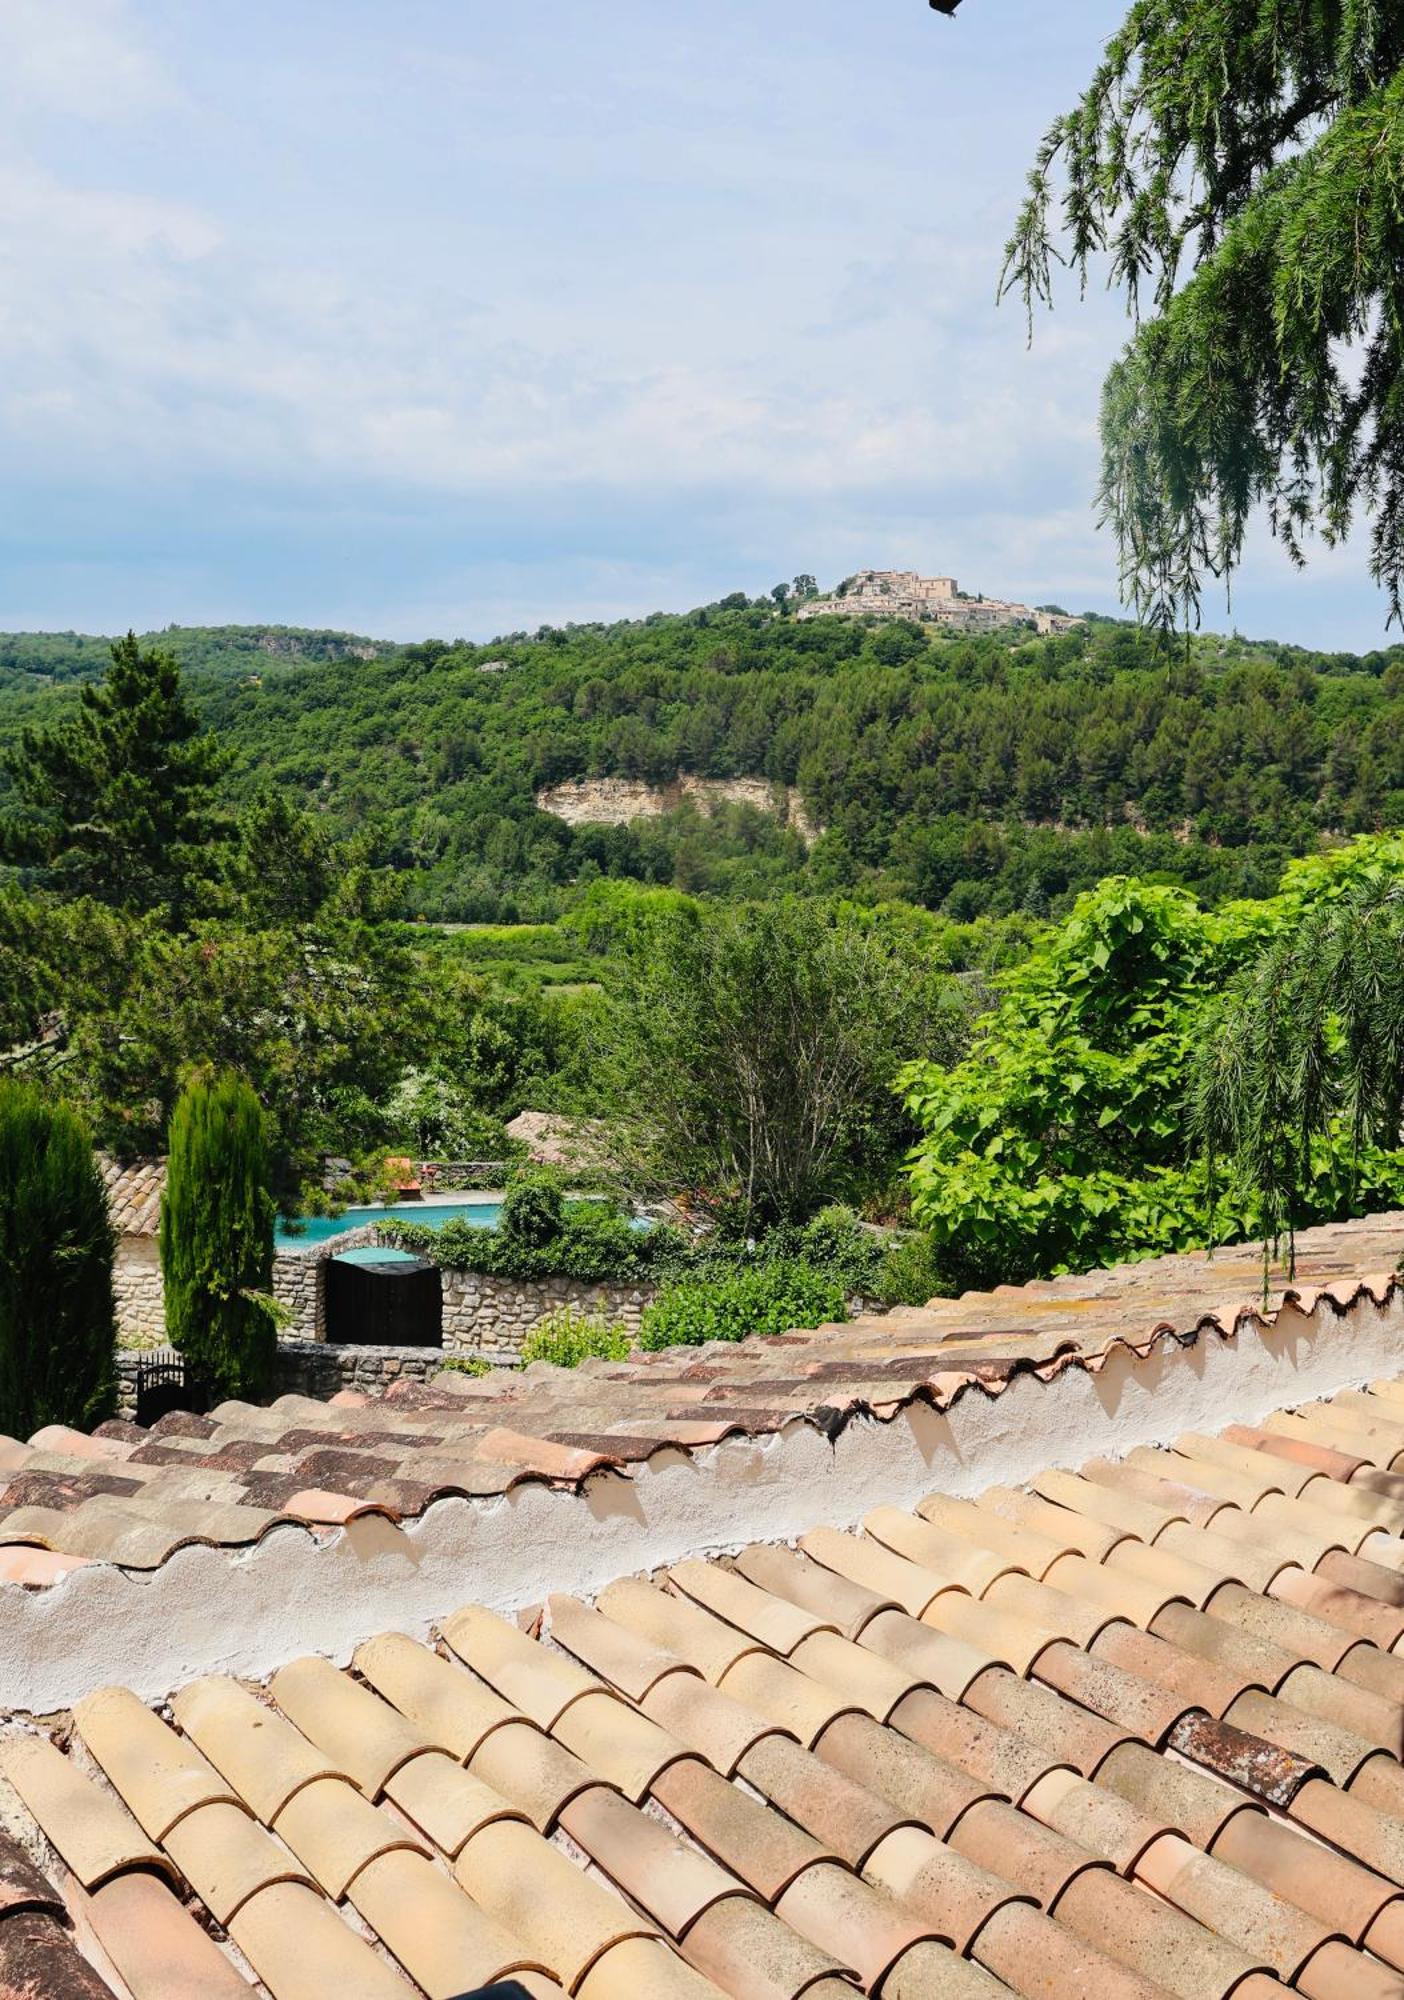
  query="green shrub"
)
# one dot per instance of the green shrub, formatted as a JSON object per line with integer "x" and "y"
{"x": 908, "y": 1274}
{"x": 217, "y": 1238}
{"x": 769, "y": 1297}
{"x": 58, "y": 1329}
{"x": 835, "y": 1241}
{"x": 476, "y": 1365}
{"x": 596, "y": 1242}
{"x": 533, "y": 1209}
{"x": 568, "y": 1336}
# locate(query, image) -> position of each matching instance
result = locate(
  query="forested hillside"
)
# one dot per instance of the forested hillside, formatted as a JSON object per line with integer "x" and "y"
{"x": 970, "y": 775}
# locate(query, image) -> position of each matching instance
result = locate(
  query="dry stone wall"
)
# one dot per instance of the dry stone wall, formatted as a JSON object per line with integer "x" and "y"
{"x": 483, "y": 1314}
{"x": 493, "y": 1316}
{"x": 136, "y": 1284}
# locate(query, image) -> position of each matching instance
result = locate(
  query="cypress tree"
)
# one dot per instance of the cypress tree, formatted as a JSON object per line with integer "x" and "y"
{"x": 58, "y": 1326}
{"x": 217, "y": 1238}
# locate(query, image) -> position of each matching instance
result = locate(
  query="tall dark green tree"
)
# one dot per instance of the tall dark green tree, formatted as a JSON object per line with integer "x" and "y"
{"x": 1241, "y": 165}
{"x": 284, "y": 868}
{"x": 58, "y": 1327}
{"x": 217, "y": 1238}
{"x": 118, "y": 801}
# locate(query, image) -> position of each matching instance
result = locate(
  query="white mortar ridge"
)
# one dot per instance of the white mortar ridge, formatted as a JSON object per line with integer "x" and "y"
{"x": 248, "y": 1611}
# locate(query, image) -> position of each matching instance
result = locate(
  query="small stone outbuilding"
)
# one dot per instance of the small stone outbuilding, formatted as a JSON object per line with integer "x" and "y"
{"x": 134, "y": 1191}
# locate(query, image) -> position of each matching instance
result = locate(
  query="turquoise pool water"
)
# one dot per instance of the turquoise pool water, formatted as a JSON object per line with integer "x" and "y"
{"x": 313, "y": 1229}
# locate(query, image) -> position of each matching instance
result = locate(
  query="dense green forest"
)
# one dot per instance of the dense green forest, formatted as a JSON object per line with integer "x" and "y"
{"x": 971, "y": 775}
{"x": 1059, "y": 1091}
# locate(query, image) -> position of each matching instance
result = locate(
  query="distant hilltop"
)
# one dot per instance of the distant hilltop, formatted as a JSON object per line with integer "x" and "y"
{"x": 933, "y": 600}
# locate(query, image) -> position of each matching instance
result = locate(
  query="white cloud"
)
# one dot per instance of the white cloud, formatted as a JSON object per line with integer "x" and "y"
{"x": 698, "y": 319}
{"x": 82, "y": 58}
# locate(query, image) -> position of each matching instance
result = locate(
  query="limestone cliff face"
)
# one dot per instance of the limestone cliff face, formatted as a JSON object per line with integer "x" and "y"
{"x": 615, "y": 801}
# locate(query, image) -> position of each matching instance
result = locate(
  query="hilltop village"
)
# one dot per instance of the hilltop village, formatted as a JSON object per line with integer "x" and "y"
{"x": 935, "y": 600}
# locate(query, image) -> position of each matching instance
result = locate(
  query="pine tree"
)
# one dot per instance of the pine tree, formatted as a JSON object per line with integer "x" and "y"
{"x": 118, "y": 801}
{"x": 58, "y": 1329}
{"x": 217, "y": 1238}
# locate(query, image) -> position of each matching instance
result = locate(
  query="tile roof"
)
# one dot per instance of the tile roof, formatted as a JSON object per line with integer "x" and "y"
{"x": 1127, "y": 1732}
{"x": 134, "y": 1191}
{"x": 133, "y": 1497}
{"x": 38, "y": 1956}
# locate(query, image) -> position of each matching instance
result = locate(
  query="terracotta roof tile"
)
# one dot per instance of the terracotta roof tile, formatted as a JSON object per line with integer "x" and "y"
{"x": 301, "y": 1949}
{"x": 447, "y": 1804}
{"x": 134, "y": 1194}
{"x": 367, "y": 1739}
{"x": 742, "y": 1948}
{"x": 323, "y": 1465}
{"x": 439, "y": 1935}
{"x": 438, "y": 1706}
{"x": 160, "y": 1776}
{"x": 713, "y": 1724}
{"x": 92, "y": 1831}
{"x": 226, "y": 1858}
{"x": 921, "y": 1786}
{"x": 1023, "y": 1947}
{"x": 155, "y": 1944}
{"x": 1132, "y": 1733}
{"x": 564, "y": 1919}
{"x": 1229, "y": 1903}
{"x": 264, "y": 1759}
{"x": 38, "y": 1958}
{"x": 532, "y": 1772}
{"x": 1172, "y": 1951}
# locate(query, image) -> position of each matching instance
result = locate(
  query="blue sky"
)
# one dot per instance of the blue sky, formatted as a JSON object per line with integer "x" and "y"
{"x": 453, "y": 316}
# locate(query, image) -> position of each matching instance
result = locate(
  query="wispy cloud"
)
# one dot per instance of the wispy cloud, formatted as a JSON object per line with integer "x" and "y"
{"x": 86, "y": 59}
{"x": 459, "y": 315}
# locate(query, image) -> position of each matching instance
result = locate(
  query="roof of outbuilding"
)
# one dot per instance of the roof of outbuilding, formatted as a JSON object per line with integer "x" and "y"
{"x": 134, "y": 1190}
{"x": 131, "y": 1496}
{"x": 1129, "y": 1732}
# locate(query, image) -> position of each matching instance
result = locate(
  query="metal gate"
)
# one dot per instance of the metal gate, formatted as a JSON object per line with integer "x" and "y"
{"x": 164, "y": 1383}
{"x": 384, "y": 1304}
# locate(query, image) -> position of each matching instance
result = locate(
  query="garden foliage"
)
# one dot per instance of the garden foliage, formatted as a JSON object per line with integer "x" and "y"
{"x": 569, "y": 1336}
{"x": 1063, "y": 1140}
{"x": 57, "y": 1325}
{"x": 750, "y": 1056}
{"x": 766, "y": 1297}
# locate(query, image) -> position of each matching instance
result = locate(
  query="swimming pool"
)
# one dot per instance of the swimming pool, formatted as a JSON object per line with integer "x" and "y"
{"x": 309, "y": 1230}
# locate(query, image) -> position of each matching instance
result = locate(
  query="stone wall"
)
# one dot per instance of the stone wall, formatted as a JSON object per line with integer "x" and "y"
{"x": 136, "y": 1281}
{"x": 493, "y": 1316}
{"x": 315, "y": 1368}
{"x": 297, "y": 1286}
{"x": 482, "y": 1315}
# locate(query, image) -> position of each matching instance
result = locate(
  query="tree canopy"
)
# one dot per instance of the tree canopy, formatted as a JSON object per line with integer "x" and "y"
{"x": 1301, "y": 1066}
{"x": 118, "y": 801}
{"x": 1113, "y": 1104}
{"x": 750, "y": 1054}
{"x": 1241, "y": 165}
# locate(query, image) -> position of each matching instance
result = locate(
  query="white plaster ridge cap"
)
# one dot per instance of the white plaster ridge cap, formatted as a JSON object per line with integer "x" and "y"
{"x": 246, "y": 1611}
